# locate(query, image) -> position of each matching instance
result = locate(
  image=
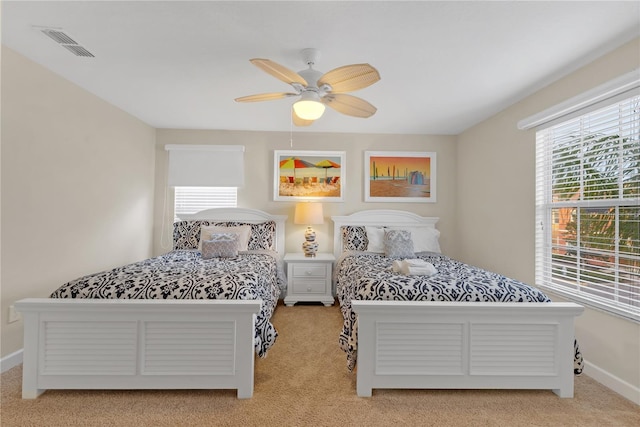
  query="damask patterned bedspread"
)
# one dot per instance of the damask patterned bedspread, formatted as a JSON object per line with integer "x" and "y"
{"x": 183, "y": 274}
{"x": 369, "y": 276}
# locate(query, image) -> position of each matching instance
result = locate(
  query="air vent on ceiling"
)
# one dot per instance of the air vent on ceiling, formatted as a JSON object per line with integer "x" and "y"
{"x": 78, "y": 50}
{"x": 67, "y": 42}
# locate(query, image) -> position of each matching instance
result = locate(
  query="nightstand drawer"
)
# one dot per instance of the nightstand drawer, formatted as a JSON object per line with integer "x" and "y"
{"x": 309, "y": 286}
{"x": 309, "y": 270}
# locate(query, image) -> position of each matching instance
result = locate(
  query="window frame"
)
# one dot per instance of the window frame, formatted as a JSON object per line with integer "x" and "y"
{"x": 546, "y": 206}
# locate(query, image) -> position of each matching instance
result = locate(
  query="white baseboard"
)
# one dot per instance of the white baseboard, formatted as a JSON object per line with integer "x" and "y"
{"x": 616, "y": 384}
{"x": 11, "y": 360}
{"x": 623, "y": 388}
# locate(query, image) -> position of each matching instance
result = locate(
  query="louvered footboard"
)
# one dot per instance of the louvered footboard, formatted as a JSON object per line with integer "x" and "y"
{"x": 434, "y": 345}
{"x": 138, "y": 344}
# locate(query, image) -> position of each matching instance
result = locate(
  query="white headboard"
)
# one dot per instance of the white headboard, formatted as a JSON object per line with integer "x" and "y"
{"x": 377, "y": 217}
{"x": 252, "y": 216}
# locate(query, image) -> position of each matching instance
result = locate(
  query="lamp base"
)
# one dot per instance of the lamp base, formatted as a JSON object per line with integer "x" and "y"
{"x": 310, "y": 246}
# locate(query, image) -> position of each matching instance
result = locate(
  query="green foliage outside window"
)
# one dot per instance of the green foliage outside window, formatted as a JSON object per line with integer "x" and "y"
{"x": 591, "y": 171}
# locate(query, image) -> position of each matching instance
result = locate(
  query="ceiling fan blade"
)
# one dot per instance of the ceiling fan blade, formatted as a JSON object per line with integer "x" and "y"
{"x": 350, "y": 78}
{"x": 265, "y": 97}
{"x": 278, "y": 71}
{"x": 349, "y": 105}
{"x": 300, "y": 122}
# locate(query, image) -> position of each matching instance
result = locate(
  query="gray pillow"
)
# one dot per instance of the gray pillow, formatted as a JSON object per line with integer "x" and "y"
{"x": 398, "y": 244}
{"x": 221, "y": 245}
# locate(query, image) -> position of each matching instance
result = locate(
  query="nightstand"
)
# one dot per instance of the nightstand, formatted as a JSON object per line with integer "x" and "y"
{"x": 309, "y": 278}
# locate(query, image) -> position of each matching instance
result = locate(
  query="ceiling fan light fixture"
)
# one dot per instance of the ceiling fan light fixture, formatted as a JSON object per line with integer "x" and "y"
{"x": 309, "y": 106}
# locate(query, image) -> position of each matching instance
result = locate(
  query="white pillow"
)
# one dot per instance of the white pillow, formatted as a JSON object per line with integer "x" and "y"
{"x": 425, "y": 239}
{"x": 375, "y": 235}
{"x": 244, "y": 232}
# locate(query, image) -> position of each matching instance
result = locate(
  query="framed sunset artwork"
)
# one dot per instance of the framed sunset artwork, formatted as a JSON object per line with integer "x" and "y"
{"x": 399, "y": 176}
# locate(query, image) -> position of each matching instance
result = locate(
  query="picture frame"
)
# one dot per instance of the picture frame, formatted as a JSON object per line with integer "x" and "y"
{"x": 309, "y": 175}
{"x": 400, "y": 176}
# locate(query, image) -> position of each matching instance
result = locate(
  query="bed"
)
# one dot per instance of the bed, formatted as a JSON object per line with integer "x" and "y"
{"x": 457, "y": 327}
{"x": 193, "y": 318}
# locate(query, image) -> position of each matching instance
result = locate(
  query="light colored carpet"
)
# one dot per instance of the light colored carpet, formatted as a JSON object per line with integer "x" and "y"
{"x": 304, "y": 382}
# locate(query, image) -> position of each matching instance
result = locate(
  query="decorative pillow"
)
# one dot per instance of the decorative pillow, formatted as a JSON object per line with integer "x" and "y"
{"x": 425, "y": 239}
{"x": 262, "y": 235}
{"x": 244, "y": 232}
{"x": 354, "y": 238}
{"x": 375, "y": 235}
{"x": 186, "y": 234}
{"x": 398, "y": 244}
{"x": 221, "y": 245}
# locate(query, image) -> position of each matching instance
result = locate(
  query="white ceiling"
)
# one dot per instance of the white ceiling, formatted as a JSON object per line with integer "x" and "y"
{"x": 445, "y": 66}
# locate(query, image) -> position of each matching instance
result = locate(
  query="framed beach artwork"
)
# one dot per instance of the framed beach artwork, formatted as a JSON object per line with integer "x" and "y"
{"x": 309, "y": 175}
{"x": 399, "y": 176}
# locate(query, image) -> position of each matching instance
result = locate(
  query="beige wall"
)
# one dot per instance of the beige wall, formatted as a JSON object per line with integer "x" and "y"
{"x": 259, "y": 168}
{"x": 496, "y": 210}
{"x": 77, "y": 185}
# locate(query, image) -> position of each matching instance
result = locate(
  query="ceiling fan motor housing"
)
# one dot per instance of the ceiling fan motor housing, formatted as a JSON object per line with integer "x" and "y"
{"x": 311, "y": 76}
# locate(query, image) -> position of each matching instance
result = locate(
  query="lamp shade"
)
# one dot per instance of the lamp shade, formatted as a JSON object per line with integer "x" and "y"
{"x": 308, "y": 213}
{"x": 309, "y": 106}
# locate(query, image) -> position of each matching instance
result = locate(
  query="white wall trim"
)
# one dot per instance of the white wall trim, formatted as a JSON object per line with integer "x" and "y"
{"x": 616, "y": 384}
{"x": 10, "y": 361}
{"x": 609, "y": 90}
{"x": 623, "y": 388}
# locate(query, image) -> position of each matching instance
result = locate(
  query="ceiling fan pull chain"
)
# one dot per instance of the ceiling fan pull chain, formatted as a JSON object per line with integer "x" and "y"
{"x": 291, "y": 129}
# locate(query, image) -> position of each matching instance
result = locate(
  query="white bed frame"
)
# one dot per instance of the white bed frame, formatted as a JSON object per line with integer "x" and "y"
{"x": 447, "y": 345}
{"x": 143, "y": 344}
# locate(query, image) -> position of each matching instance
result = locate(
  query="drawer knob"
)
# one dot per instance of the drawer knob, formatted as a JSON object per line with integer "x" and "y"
{"x": 309, "y": 288}
{"x": 308, "y": 273}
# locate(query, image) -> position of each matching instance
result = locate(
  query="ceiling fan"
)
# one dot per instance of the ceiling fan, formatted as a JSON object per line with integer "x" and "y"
{"x": 316, "y": 89}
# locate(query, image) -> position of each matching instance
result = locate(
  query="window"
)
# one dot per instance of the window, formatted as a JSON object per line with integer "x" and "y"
{"x": 204, "y": 176}
{"x": 189, "y": 200}
{"x": 588, "y": 208}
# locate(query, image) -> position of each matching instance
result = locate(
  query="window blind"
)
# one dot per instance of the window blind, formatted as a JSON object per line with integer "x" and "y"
{"x": 588, "y": 208}
{"x": 189, "y": 200}
{"x": 205, "y": 165}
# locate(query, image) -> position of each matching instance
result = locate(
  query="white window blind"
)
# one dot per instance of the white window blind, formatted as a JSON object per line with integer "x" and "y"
{"x": 588, "y": 208}
{"x": 204, "y": 176}
{"x": 205, "y": 165}
{"x": 189, "y": 200}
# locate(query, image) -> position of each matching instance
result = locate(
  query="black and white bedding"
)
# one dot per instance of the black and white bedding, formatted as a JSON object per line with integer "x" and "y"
{"x": 363, "y": 275}
{"x": 183, "y": 274}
